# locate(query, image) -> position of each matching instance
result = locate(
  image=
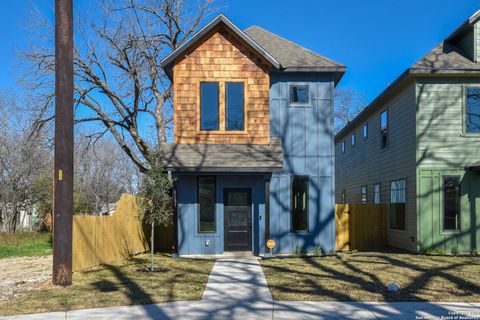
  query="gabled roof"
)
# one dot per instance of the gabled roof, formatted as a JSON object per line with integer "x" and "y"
{"x": 445, "y": 59}
{"x": 167, "y": 62}
{"x": 224, "y": 157}
{"x": 291, "y": 55}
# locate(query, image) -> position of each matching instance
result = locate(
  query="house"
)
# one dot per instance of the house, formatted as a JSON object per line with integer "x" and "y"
{"x": 253, "y": 150}
{"x": 416, "y": 149}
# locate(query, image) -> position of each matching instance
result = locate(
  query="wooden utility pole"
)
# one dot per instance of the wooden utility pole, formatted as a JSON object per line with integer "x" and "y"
{"x": 63, "y": 179}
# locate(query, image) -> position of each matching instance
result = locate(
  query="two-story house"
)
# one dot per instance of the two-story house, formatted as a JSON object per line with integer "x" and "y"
{"x": 416, "y": 149}
{"x": 253, "y": 151}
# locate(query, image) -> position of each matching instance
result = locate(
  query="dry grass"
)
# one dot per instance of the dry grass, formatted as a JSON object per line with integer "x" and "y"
{"x": 365, "y": 276}
{"x": 118, "y": 284}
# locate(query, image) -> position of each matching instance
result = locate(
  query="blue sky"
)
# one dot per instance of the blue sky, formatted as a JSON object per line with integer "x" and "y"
{"x": 376, "y": 39}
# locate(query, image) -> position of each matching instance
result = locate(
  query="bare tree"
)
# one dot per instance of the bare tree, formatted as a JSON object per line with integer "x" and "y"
{"x": 348, "y": 103}
{"x": 119, "y": 83}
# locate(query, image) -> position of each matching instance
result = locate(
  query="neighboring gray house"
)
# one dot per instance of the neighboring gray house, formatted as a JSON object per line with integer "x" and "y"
{"x": 416, "y": 148}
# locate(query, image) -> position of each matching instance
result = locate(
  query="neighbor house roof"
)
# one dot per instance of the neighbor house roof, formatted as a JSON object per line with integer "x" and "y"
{"x": 445, "y": 59}
{"x": 224, "y": 157}
{"x": 475, "y": 166}
{"x": 283, "y": 54}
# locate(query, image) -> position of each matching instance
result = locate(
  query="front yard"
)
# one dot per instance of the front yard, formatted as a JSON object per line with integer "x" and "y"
{"x": 117, "y": 284}
{"x": 365, "y": 276}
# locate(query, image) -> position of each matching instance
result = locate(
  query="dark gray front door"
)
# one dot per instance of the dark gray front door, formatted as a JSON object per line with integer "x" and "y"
{"x": 238, "y": 219}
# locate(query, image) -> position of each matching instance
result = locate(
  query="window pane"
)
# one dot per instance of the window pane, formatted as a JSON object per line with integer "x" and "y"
{"x": 353, "y": 139}
{"x": 209, "y": 106}
{"x": 473, "y": 110}
{"x": 451, "y": 201}
{"x": 376, "y": 193}
{"x": 397, "y": 204}
{"x": 234, "y": 105}
{"x": 206, "y": 202}
{"x": 384, "y": 120}
{"x": 365, "y": 130}
{"x": 299, "y": 94}
{"x": 364, "y": 194}
{"x": 299, "y": 203}
{"x": 343, "y": 146}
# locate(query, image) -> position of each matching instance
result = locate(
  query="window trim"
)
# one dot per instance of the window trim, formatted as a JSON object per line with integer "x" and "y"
{"x": 465, "y": 133}
{"x": 390, "y": 203}
{"x": 215, "y": 205}
{"x": 379, "y": 184}
{"x": 299, "y": 104}
{"x": 292, "y": 230}
{"x": 387, "y": 129}
{"x": 243, "y": 106}
{"x": 366, "y": 194}
{"x": 459, "y": 223}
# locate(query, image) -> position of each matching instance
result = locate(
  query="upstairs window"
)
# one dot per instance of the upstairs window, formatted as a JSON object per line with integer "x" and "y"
{"x": 376, "y": 193}
{"x": 397, "y": 204}
{"x": 365, "y": 131}
{"x": 364, "y": 194}
{"x": 451, "y": 203}
{"x": 234, "y": 106}
{"x": 472, "y": 110}
{"x": 353, "y": 139}
{"x": 384, "y": 129}
{"x": 299, "y": 95}
{"x": 209, "y": 106}
{"x": 300, "y": 203}
{"x": 343, "y": 146}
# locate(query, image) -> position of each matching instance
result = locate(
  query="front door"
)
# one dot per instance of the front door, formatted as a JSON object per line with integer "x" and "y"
{"x": 238, "y": 219}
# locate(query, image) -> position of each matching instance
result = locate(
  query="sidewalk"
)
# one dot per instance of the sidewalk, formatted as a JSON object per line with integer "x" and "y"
{"x": 237, "y": 289}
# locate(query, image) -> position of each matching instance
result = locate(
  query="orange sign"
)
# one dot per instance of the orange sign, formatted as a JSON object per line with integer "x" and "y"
{"x": 271, "y": 244}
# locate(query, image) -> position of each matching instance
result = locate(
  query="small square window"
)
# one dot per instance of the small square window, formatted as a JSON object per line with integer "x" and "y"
{"x": 353, "y": 139}
{"x": 365, "y": 131}
{"x": 299, "y": 94}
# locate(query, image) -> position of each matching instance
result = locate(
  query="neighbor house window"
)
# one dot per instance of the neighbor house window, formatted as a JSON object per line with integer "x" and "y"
{"x": 365, "y": 131}
{"x": 343, "y": 196}
{"x": 384, "y": 129}
{"x": 472, "y": 110}
{"x": 299, "y": 94}
{"x": 209, "y": 106}
{"x": 451, "y": 203}
{"x": 376, "y": 193}
{"x": 343, "y": 146}
{"x": 397, "y": 204}
{"x": 300, "y": 203}
{"x": 234, "y": 104}
{"x": 206, "y": 203}
{"x": 353, "y": 139}
{"x": 364, "y": 194}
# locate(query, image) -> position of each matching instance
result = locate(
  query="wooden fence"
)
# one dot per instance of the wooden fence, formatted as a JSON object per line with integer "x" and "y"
{"x": 98, "y": 240}
{"x": 361, "y": 227}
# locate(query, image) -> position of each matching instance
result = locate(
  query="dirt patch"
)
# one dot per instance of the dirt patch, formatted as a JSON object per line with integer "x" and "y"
{"x": 22, "y": 274}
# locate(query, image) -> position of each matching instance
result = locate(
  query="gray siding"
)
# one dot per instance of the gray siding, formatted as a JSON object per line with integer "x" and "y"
{"x": 442, "y": 142}
{"x": 367, "y": 164}
{"x": 307, "y": 137}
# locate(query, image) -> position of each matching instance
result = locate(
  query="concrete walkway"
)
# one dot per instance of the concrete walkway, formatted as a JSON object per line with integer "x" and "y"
{"x": 237, "y": 289}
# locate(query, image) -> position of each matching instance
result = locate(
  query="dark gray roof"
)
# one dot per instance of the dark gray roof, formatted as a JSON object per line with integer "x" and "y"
{"x": 224, "y": 157}
{"x": 291, "y": 55}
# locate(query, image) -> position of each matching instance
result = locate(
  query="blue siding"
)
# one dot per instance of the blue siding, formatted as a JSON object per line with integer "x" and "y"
{"x": 190, "y": 241}
{"x": 307, "y": 135}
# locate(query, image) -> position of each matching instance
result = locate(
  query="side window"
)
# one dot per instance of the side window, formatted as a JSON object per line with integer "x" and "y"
{"x": 343, "y": 146}
{"x": 365, "y": 131}
{"x": 451, "y": 203}
{"x": 472, "y": 110}
{"x": 376, "y": 193}
{"x": 299, "y": 94}
{"x": 343, "y": 196}
{"x": 299, "y": 203}
{"x": 384, "y": 129}
{"x": 397, "y": 204}
{"x": 364, "y": 194}
{"x": 353, "y": 139}
{"x": 209, "y": 106}
{"x": 206, "y": 203}
{"x": 234, "y": 103}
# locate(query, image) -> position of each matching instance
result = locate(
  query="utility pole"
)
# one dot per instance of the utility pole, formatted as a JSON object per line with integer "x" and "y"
{"x": 63, "y": 163}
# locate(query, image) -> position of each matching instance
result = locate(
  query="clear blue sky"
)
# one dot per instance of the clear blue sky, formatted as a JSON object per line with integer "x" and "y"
{"x": 376, "y": 39}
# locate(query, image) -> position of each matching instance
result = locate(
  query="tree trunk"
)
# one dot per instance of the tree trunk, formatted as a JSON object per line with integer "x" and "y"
{"x": 151, "y": 247}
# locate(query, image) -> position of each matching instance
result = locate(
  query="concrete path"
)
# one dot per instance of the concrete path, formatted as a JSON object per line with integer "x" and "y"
{"x": 237, "y": 289}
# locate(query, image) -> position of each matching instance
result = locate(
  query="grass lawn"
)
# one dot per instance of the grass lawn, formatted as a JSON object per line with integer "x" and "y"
{"x": 25, "y": 244}
{"x": 365, "y": 276}
{"x": 119, "y": 284}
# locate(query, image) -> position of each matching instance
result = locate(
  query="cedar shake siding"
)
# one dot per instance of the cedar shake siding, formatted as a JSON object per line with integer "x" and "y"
{"x": 221, "y": 57}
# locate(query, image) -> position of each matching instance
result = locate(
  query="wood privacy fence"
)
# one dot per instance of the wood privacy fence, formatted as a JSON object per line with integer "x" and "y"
{"x": 98, "y": 240}
{"x": 361, "y": 227}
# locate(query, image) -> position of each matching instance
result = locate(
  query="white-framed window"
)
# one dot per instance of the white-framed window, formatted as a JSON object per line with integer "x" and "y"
{"x": 472, "y": 110}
